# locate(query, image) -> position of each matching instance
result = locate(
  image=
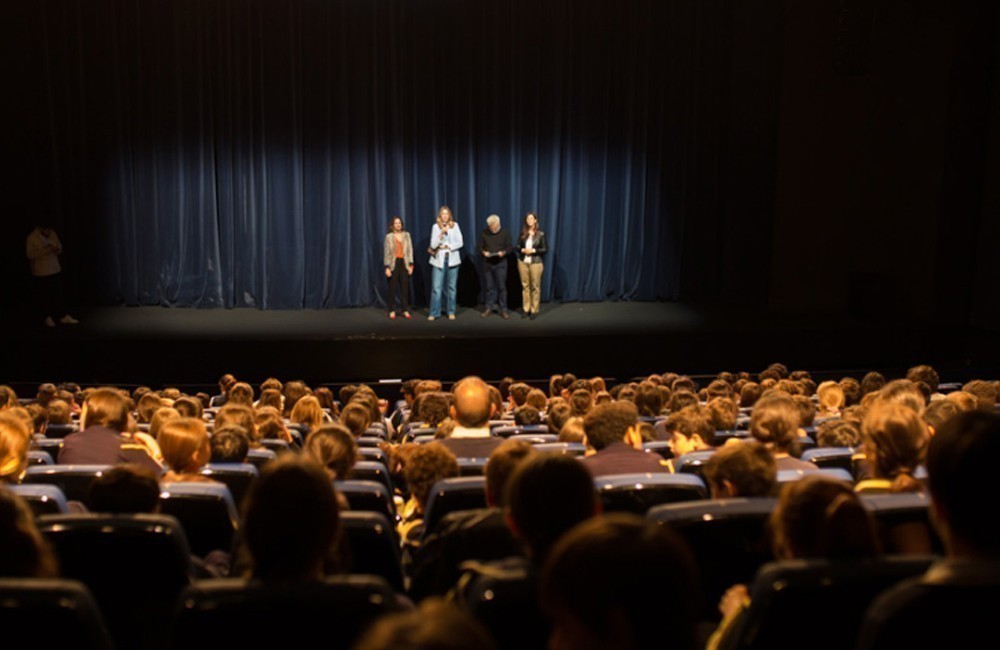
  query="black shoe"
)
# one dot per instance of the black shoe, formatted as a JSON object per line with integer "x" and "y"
{"x": 486, "y": 312}
{"x": 533, "y": 314}
{"x": 504, "y": 315}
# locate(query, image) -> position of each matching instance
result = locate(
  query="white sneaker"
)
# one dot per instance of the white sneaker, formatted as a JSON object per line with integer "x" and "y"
{"x": 451, "y": 316}
{"x": 431, "y": 317}
{"x": 68, "y": 320}
{"x": 49, "y": 322}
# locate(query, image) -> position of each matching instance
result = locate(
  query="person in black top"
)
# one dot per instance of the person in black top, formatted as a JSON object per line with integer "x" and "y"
{"x": 494, "y": 245}
{"x": 531, "y": 248}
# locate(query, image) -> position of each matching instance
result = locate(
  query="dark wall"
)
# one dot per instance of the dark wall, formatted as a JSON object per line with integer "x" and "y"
{"x": 881, "y": 156}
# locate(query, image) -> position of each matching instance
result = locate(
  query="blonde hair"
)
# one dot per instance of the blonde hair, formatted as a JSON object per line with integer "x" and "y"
{"x": 180, "y": 439}
{"x": 14, "y": 440}
{"x": 897, "y": 438}
{"x": 308, "y": 411}
{"x": 451, "y": 217}
{"x": 831, "y": 396}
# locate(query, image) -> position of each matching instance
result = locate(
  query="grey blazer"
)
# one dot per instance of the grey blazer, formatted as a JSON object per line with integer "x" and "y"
{"x": 389, "y": 250}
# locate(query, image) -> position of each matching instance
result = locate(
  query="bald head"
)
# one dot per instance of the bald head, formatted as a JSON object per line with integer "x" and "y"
{"x": 472, "y": 408}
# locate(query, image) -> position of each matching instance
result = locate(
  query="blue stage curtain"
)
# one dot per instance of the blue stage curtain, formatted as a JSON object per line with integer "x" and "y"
{"x": 237, "y": 153}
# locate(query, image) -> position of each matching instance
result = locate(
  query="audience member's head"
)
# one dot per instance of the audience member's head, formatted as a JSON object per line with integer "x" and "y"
{"x": 519, "y": 393}
{"x": 189, "y": 407}
{"x": 527, "y": 416}
{"x": 124, "y": 489}
{"x": 690, "y": 430}
{"x": 15, "y": 439}
{"x": 162, "y": 415}
{"x": 184, "y": 445}
{"x": 925, "y": 374}
{"x": 472, "y": 407}
{"x": 648, "y": 399}
{"x": 831, "y": 397}
{"x": 559, "y": 412}
{"x": 241, "y": 393}
{"x": 961, "y": 466}
{"x": 435, "y": 625}
{"x": 723, "y": 413}
{"x": 149, "y": 404}
{"x": 620, "y": 581}
{"x": 774, "y": 421}
{"x": 744, "y": 470}
{"x": 896, "y": 442}
{"x": 270, "y": 397}
{"x": 270, "y": 425}
{"x": 681, "y": 399}
{"x": 229, "y": 445}
{"x": 581, "y": 401}
{"x": 425, "y": 466}
{"x": 537, "y": 399}
{"x": 356, "y": 417}
{"x": 902, "y": 391}
{"x": 838, "y": 433}
{"x": 105, "y": 407}
{"x": 59, "y": 412}
{"x": 938, "y": 412}
{"x": 291, "y": 521}
{"x": 308, "y": 412}
{"x": 573, "y": 431}
{"x": 821, "y": 518}
{"x": 985, "y": 392}
{"x": 749, "y": 394}
{"x": 334, "y": 448}
{"x": 872, "y": 382}
{"x": 547, "y": 495}
{"x": 501, "y": 465}
{"x": 240, "y": 416}
{"x": 610, "y": 423}
{"x": 293, "y": 391}
{"x": 24, "y": 553}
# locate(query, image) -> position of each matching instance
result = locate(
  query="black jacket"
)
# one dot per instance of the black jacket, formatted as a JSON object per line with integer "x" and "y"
{"x": 541, "y": 246}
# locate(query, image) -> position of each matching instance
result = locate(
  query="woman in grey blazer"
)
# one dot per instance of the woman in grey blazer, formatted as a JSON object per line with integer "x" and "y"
{"x": 397, "y": 256}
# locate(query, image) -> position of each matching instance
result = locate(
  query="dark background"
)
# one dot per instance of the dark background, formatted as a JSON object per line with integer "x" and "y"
{"x": 832, "y": 157}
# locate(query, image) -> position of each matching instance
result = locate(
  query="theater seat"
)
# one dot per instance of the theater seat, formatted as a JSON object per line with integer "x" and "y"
{"x": 274, "y": 445}
{"x": 373, "y": 454}
{"x": 637, "y": 493}
{"x": 73, "y": 480}
{"x": 236, "y": 476}
{"x": 903, "y": 523}
{"x": 831, "y": 458}
{"x": 262, "y": 456}
{"x": 374, "y": 546}
{"x": 215, "y": 614}
{"x": 564, "y": 448}
{"x": 535, "y": 438}
{"x": 693, "y": 463}
{"x": 915, "y": 614}
{"x": 368, "y": 496}
{"x": 42, "y": 613}
{"x": 206, "y": 511}
{"x": 43, "y": 499}
{"x": 472, "y": 466}
{"x": 60, "y": 430}
{"x": 135, "y": 566}
{"x": 661, "y": 447}
{"x": 815, "y": 603}
{"x": 367, "y": 470}
{"x": 792, "y": 475}
{"x": 728, "y": 537}
{"x": 39, "y": 457}
{"x": 506, "y": 430}
{"x": 451, "y": 494}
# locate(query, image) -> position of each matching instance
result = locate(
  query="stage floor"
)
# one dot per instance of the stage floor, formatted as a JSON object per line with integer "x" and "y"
{"x": 160, "y": 345}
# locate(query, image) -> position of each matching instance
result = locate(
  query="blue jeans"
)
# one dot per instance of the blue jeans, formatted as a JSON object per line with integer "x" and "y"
{"x": 437, "y": 284}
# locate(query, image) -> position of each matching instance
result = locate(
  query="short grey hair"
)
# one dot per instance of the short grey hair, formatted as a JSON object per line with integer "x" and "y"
{"x": 493, "y": 219}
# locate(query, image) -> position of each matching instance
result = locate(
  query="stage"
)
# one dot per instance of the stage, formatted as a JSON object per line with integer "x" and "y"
{"x": 192, "y": 347}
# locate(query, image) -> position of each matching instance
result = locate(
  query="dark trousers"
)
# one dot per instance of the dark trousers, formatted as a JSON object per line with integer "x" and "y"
{"x": 496, "y": 284}
{"x": 49, "y": 292}
{"x": 399, "y": 275}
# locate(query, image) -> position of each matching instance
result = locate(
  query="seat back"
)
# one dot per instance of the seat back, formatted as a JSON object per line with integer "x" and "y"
{"x": 373, "y": 454}
{"x": 472, "y": 466}
{"x": 217, "y": 614}
{"x": 693, "y": 463}
{"x": 831, "y": 458}
{"x": 792, "y": 475}
{"x": 50, "y": 613}
{"x": 43, "y": 499}
{"x": 817, "y": 603}
{"x": 728, "y": 538}
{"x": 564, "y": 448}
{"x": 39, "y": 457}
{"x": 237, "y": 476}
{"x": 451, "y": 494}
{"x": 374, "y": 546}
{"x": 637, "y": 493}
{"x": 262, "y": 456}
{"x": 903, "y": 523}
{"x": 73, "y": 480}
{"x": 369, "y": 470}
{"x": 535, "y": 438}
{"x": 60, "y": 430}
{"x": 206, "y": 511}
{"x": 135, "y": 566}
{"x": 368, "y": 496}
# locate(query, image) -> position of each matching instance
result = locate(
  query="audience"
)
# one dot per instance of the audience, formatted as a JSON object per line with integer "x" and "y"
{"x": 612, "y": 581}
